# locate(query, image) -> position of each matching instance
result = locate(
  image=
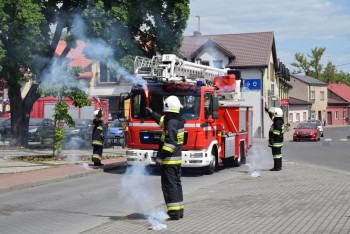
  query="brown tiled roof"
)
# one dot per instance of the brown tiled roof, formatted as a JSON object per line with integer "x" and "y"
{"x": 249, "y": 49}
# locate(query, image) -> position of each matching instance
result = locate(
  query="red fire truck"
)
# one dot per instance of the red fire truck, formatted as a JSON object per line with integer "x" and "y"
{"x": 217, "y": 128}
{"x": 43, "y": 108}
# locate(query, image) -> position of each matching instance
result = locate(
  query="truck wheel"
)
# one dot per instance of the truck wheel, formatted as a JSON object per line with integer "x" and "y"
{"x": 210, "y": 169}
{"x": 237, "y": 162}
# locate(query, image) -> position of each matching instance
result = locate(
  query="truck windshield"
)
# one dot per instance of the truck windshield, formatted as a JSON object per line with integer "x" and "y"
{"x": 189, "y": 102}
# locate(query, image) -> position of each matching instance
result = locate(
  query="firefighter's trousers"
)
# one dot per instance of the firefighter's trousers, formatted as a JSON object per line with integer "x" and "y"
{"x": 172, "y": 190}
{"x": 97, "y": 153}
{"x": 277, "y": 157}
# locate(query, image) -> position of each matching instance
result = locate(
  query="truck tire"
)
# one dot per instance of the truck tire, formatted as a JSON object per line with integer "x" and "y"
{"x": 241, "y": 159}
{"x": 237, "y": 161}
{"x": 210, "y": 169}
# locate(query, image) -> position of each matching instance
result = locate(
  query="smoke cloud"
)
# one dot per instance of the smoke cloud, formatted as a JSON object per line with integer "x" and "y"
{"x": 259, "y": 158}
{"x": 137, "y": 196}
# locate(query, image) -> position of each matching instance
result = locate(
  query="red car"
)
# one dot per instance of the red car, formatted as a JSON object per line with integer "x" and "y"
{"x": 306, "y": 132}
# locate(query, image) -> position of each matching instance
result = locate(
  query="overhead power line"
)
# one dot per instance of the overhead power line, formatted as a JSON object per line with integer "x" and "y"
{"x": 342, "y": 64}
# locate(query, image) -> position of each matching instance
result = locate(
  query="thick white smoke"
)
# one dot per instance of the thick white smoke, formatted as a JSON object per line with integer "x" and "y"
{"x": 259, "y": 158}
{"x": 138, "y": 196}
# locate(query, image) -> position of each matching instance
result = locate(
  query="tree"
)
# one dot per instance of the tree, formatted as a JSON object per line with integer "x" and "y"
{"x": 301, "y": 63}
{"x": 312, "y": 64}
{"x": 28, "y": 52}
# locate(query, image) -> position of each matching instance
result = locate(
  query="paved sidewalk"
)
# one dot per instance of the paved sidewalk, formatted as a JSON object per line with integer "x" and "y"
{"x": 22, "y": 168}
{"x": 298, "y": 199}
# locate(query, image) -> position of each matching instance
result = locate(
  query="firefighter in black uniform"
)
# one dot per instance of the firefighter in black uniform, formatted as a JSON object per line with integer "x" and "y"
{"x": 97, "y": 138}
{"x": 276, "y": 137}
{"x": 169, "y": 155}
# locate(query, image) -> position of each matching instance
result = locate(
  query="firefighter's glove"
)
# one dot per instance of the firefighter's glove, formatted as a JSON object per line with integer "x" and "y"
{"x": 266, "y": 109}
{"x": 159, "y": 161}
{"x": 270, "y": 141}
{"x": 149, "y": 110}
{"x": 99, "y": 114}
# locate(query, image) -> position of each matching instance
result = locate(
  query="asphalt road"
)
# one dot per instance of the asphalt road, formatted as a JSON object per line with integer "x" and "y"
{"x": 332, "y": 151}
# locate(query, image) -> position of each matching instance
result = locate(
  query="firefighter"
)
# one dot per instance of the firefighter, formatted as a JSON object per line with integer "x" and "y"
{"x": 97, "y": 138}
{"x": 169, "y": 155}
{"x": 276, "y": 137}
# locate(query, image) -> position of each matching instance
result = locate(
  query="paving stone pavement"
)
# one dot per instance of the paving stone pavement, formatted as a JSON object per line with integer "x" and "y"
{"x": 298, "y": 199}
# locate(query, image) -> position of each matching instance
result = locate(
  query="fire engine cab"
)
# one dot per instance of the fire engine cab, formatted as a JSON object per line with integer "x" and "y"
{"x": 217, "y": 126}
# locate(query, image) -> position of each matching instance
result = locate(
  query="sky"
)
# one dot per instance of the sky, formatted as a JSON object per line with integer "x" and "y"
{"x": 298, "y": 25}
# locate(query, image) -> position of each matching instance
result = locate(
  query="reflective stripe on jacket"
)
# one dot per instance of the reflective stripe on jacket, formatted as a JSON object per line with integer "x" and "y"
{"x": 276, "y": 131}
{"x": 172, "y": 137}
{"x": 97, "y": 132}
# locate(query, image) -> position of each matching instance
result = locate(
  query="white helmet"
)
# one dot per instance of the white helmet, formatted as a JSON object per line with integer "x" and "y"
{"x": 172, "y": 104}
{"x": 96, "y": 114}
{"x": 278, "y": 112}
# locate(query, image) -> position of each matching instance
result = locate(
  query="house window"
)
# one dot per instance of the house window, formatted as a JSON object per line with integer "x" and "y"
{"x": 205, "y": 63}
{"x": 217, "y": 63}
{"x": 313, "y": 115}
{"x": 322, "y": 95}
{"x": 298, "y": 117}
{"x": 272, "y": 89}
{"x": 290, "y": 117}
{"x": 336, "y": 115}
{"x": 304, "y": 116}
{"x": 107, "y": 74}
{"x": 312, "y": 96}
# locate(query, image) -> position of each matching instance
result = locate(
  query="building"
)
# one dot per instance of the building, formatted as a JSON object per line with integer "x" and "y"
{"x": 299, "y": 111}
{"x": 338, "y": 104}
{"x": 254, "y": 56}
{"x": 311, "y": 90}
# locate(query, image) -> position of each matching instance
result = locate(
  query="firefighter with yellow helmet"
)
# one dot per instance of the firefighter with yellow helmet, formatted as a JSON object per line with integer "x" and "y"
{"x": 276, "y": 136}
{"x": 97, "y": 138}
{"x": 169, "y": 155}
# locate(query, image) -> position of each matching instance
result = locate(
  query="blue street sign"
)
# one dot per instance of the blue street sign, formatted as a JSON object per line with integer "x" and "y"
{"x": 252, "y": 84}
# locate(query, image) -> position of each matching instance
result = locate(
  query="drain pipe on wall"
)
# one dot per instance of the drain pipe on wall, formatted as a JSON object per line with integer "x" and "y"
{"x": 262, "y": 134}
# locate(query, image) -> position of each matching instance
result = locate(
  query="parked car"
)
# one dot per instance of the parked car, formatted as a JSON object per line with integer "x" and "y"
{"x": 115, "y": 131}
{"x": 80, "y": 135}
{"x": 318, "y": 123}
{"x": 306, "y": 132}
{"x": 40, "y": 128}
{"x": 5, "y": 128}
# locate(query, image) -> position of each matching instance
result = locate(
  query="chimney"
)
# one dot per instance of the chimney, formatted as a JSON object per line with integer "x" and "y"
{"x": 307, "y": 72}
{"x": 196, "y": 33}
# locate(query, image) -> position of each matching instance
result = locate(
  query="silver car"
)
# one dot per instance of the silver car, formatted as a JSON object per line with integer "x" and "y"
{"x": 318, "y": 124}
